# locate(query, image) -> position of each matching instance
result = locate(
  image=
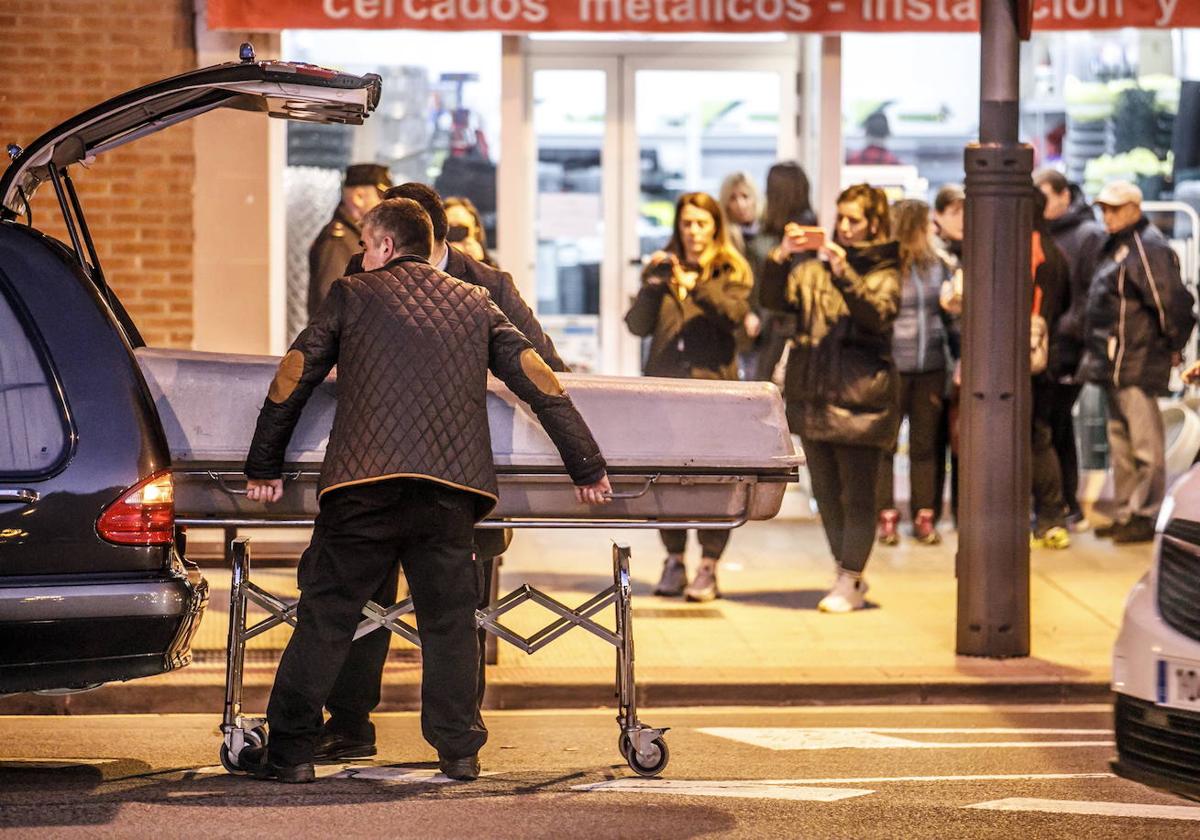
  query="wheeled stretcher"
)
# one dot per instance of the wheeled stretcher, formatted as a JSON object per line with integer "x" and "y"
{"x": 681, "y": 454}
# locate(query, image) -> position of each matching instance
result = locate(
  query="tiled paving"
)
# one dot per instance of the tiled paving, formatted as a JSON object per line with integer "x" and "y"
{"x": 766, "y": 629}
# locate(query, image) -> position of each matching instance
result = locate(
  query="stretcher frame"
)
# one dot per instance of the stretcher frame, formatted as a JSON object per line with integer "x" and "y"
{"x": 643, "y": 747}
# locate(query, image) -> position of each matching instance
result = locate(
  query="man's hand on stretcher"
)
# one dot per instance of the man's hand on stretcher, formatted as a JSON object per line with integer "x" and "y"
{"x": 271, "y": 490}
{"x": 596, "y": 493}
{"x": 264, "y": 489}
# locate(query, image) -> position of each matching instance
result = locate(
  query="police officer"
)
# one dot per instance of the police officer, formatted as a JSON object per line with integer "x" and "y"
{"x": 362, "y": 189}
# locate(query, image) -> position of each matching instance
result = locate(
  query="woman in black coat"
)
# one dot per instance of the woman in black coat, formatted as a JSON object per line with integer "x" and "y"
{"x": 694, "y": 296}
{"x": 841, "y": 384}
{"x": 787, "y": 200}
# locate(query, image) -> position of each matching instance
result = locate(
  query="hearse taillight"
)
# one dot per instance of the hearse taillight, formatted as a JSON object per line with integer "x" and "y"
{"x": 144, "y": 515}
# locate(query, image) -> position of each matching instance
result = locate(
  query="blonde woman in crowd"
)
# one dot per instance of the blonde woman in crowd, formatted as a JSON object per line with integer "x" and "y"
{"x": 740, "y": 201}
{"x": 694, "y": 296}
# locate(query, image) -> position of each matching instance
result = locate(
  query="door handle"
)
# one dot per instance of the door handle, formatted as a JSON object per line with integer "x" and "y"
{"x": 18, "y": 495}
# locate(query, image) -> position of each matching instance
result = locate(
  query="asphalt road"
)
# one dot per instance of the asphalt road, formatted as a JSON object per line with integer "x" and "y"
{"x": 837, "y": 772}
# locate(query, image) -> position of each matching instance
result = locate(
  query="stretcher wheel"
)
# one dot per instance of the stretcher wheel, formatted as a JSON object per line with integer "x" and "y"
{"x": 656, "y": 765}
{"x": 229, "y": 762}
{"x": 255, "y": 737}
{"x": 623, "y": 745}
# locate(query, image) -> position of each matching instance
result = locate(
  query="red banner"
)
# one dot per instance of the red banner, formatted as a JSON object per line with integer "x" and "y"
{"x": 672, "y": 16}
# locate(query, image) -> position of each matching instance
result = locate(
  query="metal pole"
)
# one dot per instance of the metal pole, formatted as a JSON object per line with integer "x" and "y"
{"x": 993, "y": 558}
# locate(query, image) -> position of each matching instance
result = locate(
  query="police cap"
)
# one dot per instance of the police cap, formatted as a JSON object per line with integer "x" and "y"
{"x": 368, "y": 175}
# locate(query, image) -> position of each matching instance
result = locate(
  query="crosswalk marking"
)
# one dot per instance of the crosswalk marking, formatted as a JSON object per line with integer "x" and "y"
{"x": 884, "y": 738}
{"x": 977, "y": 777}
{"x": 389, "y": 774}
{"x": 729, "y": 789}
{"x": 398, "y": 775}
{"x": 1095, "y": 809}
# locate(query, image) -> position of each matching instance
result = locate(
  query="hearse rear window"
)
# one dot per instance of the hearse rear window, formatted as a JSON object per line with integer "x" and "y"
{"x": 32, "y": 433}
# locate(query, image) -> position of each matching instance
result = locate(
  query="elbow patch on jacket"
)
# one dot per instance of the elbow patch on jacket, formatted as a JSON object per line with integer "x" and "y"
{"x": 287, "y": 377}
{"x": 540, "y": 374}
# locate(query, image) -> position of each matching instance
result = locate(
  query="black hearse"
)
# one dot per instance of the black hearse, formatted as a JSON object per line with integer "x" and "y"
{"x": 94, "y": 581}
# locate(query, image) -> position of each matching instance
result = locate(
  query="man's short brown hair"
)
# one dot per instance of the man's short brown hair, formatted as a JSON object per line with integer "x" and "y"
{"x": 406, "y": 222}
{"x": 428, "y": 198}
{"x": 1057, "y": 181}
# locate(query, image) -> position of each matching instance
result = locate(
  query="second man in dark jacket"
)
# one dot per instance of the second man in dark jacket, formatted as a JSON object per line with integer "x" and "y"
{"x": 408, "y": 472}
{"x": 1139, "y": 318}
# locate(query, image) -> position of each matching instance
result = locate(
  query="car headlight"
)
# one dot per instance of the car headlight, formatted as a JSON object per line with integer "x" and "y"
{"x": 1165, "y": 513}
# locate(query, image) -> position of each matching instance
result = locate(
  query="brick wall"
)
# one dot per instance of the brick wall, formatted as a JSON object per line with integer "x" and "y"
{"x": 58, "y": 57}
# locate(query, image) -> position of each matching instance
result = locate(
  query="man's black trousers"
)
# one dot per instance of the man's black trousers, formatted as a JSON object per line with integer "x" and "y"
{"x": 363, "y": 533}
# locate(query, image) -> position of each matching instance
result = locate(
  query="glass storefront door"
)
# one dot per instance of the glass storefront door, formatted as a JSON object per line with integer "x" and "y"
{"x": 574, "y": 135}
{"x": 617, "y": 140}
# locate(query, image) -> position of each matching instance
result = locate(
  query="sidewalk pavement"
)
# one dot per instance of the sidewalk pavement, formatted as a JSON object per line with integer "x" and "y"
{"x": 762, "y": 643}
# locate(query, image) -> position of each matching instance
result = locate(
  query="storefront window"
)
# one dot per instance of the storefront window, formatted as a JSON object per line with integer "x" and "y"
{"x": 1103, "y": 105}
{"x": 1098, "y": 105}
{"x": 909, "y": 101}
{"x": 569, "y": 114}
{"x": 694, "y": 128}
{"x": 437, "y": 122}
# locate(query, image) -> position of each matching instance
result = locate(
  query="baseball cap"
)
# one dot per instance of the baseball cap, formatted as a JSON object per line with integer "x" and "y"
{"x": 367, "y": 175}
{"x": 1119, "y": 193}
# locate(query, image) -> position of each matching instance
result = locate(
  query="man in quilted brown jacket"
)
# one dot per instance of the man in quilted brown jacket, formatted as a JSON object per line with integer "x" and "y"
{"x": 408, "y": 472}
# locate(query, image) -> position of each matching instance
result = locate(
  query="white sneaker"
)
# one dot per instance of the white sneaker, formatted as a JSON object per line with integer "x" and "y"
{"x": 848, "y": 594}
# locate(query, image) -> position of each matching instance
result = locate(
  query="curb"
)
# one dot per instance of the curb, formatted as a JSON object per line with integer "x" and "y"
{"x": 131, "y": 698}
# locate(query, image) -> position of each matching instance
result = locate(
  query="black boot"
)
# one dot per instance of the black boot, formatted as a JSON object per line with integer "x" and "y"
{"x": 256, "y": 762}
{"x": 336, "y": 747}
{"x": 1138, "y": 529}
{"x": 461, "y": 769}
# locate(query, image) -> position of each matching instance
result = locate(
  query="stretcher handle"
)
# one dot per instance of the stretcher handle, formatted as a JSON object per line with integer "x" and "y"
{"x": 635, "y": 494}
{"x": 217, "y": 477}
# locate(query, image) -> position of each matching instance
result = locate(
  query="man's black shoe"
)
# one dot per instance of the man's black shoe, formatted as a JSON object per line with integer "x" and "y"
{"x": 461, "y": 769}
{"x": 335, "y": 747}
{"x": 255, "y": 761}
{"x": 1139, "y": 529}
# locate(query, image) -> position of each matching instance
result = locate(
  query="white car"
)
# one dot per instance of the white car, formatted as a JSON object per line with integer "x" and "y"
{"x": 1156, "y": 661}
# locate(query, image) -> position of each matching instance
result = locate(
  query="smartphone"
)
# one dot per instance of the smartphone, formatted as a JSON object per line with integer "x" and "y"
{"x": 814, "y": 238}
{"x": 457, "y": 233}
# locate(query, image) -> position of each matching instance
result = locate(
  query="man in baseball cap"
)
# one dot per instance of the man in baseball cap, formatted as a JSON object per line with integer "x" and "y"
{"x": 362, "y": 188}
{"x": 1121, "y": 204}
{"x": 1139, "y": 319}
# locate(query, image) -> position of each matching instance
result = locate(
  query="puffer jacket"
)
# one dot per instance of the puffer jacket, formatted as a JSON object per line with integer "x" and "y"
{"x": 921, "y": 333}
{"x": 505, "y": 294}
{"x": 1139, "y": 314}
{"x": 692, "y": 338}
{"x": 413, "y": 347}
{"x": 841, "y": 384}
{"x": 1080, "y": 238}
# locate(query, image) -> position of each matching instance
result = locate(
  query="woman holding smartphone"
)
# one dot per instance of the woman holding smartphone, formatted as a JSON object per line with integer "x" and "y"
{"x": 787, "y": 200}
{"x": 694, "y": 295}
{"x": 841, "y": 383}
